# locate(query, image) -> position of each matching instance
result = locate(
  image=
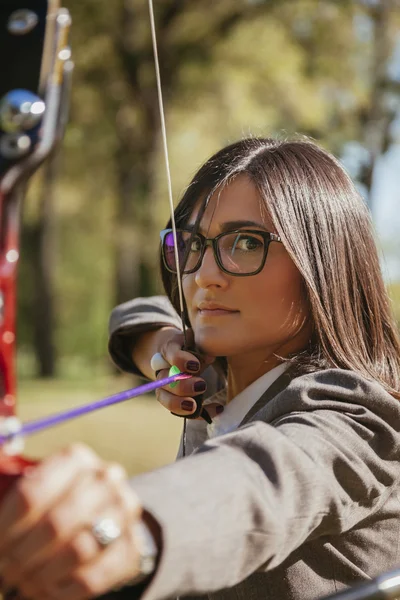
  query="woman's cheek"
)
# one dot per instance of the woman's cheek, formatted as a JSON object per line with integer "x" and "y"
{"x": 285, "y": 308}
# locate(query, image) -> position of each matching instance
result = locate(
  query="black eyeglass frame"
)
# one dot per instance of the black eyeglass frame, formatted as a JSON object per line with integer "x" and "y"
{"x": 213, "y": 242}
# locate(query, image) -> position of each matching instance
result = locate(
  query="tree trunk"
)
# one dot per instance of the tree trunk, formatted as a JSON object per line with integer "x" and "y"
{"x": 134, "y": 160}
{"x": 43, "y": 264}
{"x": 379, "y": 115}
{"x": 129, "y": 256}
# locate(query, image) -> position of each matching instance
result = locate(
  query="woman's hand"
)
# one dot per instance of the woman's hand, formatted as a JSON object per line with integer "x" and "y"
{"x": 47, "y": 548}
{"x": 179, "y": 400}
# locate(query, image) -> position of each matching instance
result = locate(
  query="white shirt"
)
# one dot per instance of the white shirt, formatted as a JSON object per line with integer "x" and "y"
{"x": 198, "y": 431}
{"x": 239, "y": 406}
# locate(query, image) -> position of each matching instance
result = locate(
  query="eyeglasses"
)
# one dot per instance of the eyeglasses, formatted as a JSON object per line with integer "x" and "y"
{"x": 241, "y": 253}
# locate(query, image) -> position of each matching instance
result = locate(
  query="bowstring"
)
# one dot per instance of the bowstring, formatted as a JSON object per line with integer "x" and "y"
{"x": 169, "y": 185}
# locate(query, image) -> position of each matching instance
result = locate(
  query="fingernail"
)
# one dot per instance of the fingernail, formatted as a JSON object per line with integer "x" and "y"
{"x": 187, "y": 405}
{"x": 192, "y": 365}
{"x": 200, "y": 386}
{"x": 219, "y": 409}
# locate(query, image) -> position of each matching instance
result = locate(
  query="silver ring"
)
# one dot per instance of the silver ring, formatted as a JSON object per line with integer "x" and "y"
{"x": 158, "y": 362}
{"x": 105, "y": 531}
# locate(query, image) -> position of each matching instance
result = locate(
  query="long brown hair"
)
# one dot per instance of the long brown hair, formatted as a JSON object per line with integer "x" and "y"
{"x": 327, "y": 230}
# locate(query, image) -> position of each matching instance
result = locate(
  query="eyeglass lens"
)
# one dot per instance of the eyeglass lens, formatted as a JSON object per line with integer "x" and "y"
{"x": 238, "y": 252}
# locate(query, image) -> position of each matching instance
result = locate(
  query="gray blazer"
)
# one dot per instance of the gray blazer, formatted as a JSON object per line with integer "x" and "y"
{"x": 300, "y": 502}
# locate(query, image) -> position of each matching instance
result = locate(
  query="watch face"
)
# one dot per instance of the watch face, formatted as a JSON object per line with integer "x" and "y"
{"x": 147, "y": 548}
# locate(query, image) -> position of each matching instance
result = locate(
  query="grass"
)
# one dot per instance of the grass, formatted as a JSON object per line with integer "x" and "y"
{"x": 139, "y": 434}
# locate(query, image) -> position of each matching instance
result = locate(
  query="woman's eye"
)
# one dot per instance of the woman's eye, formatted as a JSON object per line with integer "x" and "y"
{"x": 248, "y": 243}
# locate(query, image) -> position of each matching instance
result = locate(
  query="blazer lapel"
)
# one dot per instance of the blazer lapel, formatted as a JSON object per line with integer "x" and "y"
{"x": 278, "y": 386}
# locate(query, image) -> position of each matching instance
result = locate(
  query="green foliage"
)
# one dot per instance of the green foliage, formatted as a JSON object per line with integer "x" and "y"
{"x": 229, "y": 69}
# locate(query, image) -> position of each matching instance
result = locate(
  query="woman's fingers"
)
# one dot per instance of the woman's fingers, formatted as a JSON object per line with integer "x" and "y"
{"x": 79, "y": 550}
{"x": 117, "y": 564}
{"x": 62, "y": 543}
{"x": 214, "y": 409}
{"x": 179, "y": 405}
{"x": 75, "y": 553}
{"x": 186, "y": 387}
{"x": 39, "y": 490}
{"x": 82, "y": 568}
{"x": 174, "y": 355}
{"x": 101, "y": 490}
{"x": 184, "y": 360}
{"x": 184, "y": 406}
{"x": 180, "y": 399}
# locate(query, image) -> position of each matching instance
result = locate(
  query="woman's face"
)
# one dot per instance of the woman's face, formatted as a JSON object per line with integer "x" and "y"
{"x": 234, "y": 316}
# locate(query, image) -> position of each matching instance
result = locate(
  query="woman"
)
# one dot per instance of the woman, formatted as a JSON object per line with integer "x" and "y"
{"x": 292, "y": 491}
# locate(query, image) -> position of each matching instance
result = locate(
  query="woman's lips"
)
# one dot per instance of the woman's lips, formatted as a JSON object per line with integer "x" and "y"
{"x": 216, "y": 312}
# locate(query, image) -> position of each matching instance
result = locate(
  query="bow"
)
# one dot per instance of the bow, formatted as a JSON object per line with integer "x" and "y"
{"x": 33, "y": 109}
{"x": 34, "y": 98}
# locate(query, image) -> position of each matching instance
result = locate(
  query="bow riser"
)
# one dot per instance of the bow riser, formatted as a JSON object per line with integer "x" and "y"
{"x": 36, "y": 72}
{"x": 8, "y": 272}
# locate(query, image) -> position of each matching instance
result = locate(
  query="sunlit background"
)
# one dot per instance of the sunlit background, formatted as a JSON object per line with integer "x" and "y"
{"x": 230, "y": 68}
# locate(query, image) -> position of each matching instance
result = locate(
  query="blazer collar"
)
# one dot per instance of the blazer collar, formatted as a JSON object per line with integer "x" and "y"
{"x": 278, "y": 386}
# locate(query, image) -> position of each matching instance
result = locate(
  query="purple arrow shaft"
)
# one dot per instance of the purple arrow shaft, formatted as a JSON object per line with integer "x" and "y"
{"x": 45, "y": 422}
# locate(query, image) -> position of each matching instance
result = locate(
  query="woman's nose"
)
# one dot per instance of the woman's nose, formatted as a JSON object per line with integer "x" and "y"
{"x": 209, "y": 273}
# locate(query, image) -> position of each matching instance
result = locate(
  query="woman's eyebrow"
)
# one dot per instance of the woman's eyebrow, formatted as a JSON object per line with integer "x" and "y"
{"x": 232, "y": 225}
{"x": 229, "y": 225}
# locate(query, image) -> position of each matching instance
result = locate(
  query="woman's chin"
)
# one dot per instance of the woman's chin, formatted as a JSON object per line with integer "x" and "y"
{"x": 213, "y": 347}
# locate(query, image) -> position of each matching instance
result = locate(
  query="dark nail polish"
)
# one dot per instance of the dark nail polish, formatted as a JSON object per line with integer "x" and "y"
{"x": 200, "y": 386}
{"x": 187, "y": 405}
{"x": 192, "y": 365}
{"x": 219, "y": 409}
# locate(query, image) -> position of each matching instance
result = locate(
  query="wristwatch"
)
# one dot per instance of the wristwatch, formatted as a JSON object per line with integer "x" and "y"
{"x": 148, "y": 554}
{"x": 148, "y": 551}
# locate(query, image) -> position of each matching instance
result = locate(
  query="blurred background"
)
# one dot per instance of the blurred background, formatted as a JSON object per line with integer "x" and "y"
{"x": 230, "y": 68}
